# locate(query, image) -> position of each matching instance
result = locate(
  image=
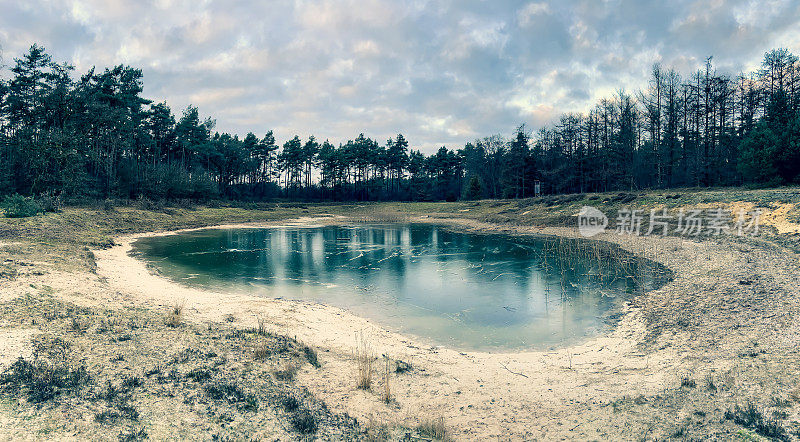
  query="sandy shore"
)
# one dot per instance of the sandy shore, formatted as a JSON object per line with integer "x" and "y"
{"x": 533, "y": 394}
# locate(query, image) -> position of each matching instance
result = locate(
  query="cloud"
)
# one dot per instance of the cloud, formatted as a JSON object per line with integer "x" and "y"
{"x": 440, "y": 72}
{"x": 533, "y": 9}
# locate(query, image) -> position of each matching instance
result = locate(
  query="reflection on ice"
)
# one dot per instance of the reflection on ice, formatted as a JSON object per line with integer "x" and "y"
{"x": 463, "y": 290}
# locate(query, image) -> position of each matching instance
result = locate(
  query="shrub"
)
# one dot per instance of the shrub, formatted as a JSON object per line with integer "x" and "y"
{"x": 143, "y": 203}
{"x": 133, "y": 435}
{"x": 289, "y": 403}
{"x": 232, "y": 394}
{"x": 220, "y": 391}
{"x": 42, "y": 381}
{"x": 18, "y": 206}
{"x": 106, "y": 416}
{"x": 751, "y": 417}
{"x": 311, "y": 356}
{"x": 50, "y": 202}
{"x": 304, "y": 422}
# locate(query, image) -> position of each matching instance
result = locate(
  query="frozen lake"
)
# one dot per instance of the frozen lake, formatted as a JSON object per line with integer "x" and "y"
{"x": 462, "y": 290}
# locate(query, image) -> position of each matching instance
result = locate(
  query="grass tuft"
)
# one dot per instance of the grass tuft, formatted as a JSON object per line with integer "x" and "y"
{"x": 364, "y": 358}
{"x": 199, "y": 375}
{"x": 710, "y": 385}
{"x": 376, "y": 431}
{"x": 175, "y": 316}
{"x": 261, "y": 330}
{"x": 386, "y": 396}
{"x": 401, "y": 367}
{"x": 261, "y": 350}
{"x": 434, "y": 428}
{"x": 287, "y": 372}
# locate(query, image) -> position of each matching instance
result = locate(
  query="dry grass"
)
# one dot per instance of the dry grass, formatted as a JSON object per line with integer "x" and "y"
{"x": 364, "y": 357}
{"x": 175, "y": 316}
{"x": 709, "y": 383}
{"x": 261, "y": 329}
{"x": 376, "y": 430}
{"x": 261, "y": 350}
{"x": 77, "y": 325}
{"x": 287, "y": 371}
{"x": 311, "y": 355}
{"x": 794, "y": 394}
{"x": 387, "y": 391}
{"x": 115, "y": 388}
{"x": 433, "y": 428}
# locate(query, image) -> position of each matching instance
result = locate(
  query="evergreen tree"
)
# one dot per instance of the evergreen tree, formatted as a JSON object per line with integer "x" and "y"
{"x": 97, "y": 136}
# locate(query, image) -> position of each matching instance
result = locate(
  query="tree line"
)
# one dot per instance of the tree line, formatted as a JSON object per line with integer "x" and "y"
{"x": 96, "y": 136}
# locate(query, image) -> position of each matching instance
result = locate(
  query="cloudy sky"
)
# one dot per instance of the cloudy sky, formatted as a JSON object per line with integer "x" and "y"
{"x": 440, "y": 72}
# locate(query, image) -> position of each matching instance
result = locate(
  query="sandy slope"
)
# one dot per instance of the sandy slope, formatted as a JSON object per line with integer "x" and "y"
{"x": 506, "y": 396}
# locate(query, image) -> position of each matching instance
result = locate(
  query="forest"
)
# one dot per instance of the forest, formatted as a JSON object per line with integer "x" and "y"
{"x": 96, "y": 137}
